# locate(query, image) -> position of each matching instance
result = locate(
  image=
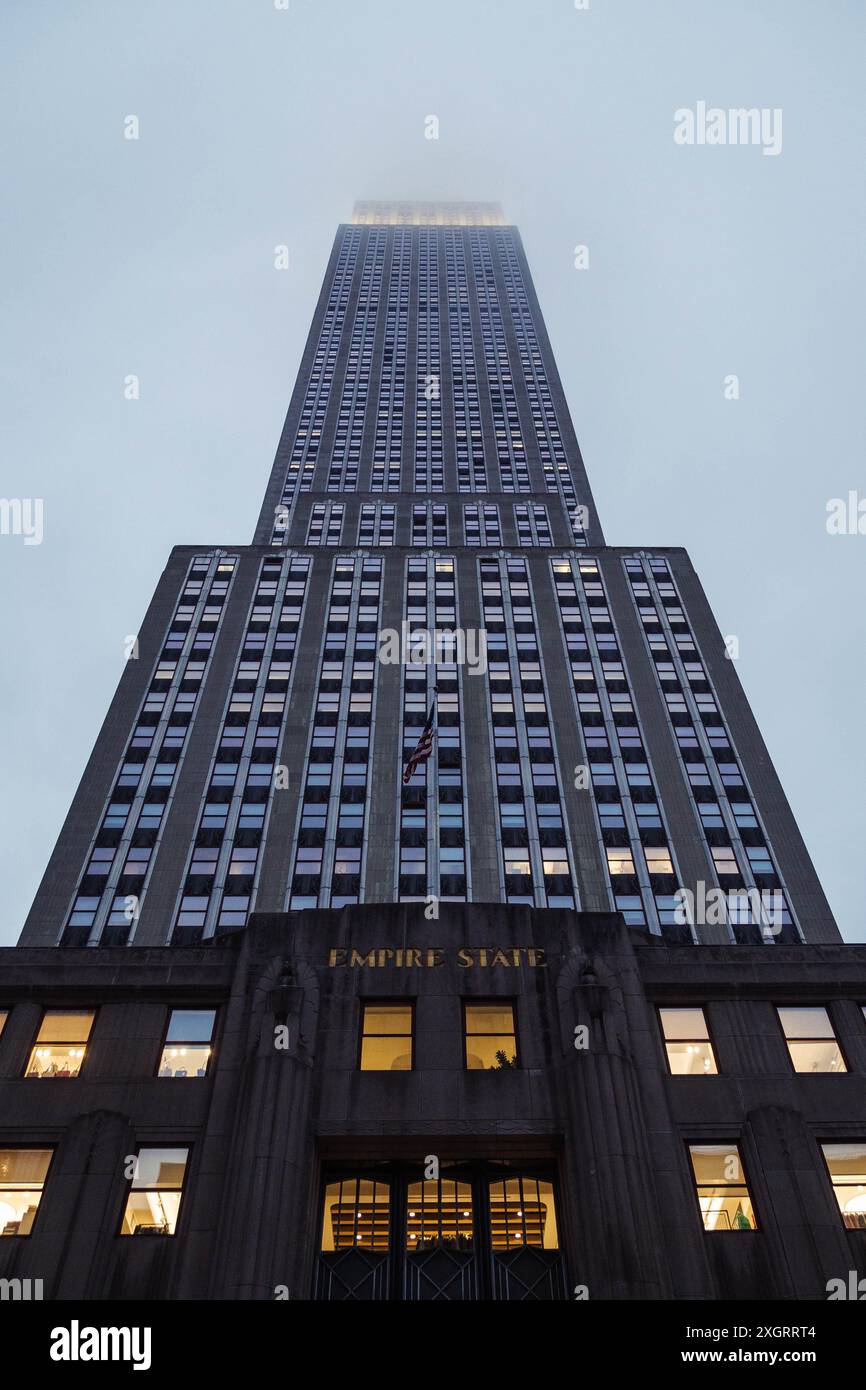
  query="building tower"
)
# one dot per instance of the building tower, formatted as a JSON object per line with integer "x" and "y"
{"x": 527, "y": 1015}
{"x": 594, "y": 749}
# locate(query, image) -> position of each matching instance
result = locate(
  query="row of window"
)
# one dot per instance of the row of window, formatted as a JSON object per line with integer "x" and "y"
{"x": 551, "y": 447}
{"x": 429, "y": 524}
{"x": 346, "y": 449}
{"x": 391, "y": 404}
{"x": 221, "y": 870}
{"x": 317, "y": 392}
{"x": 536, "y": 862}
{"x": 356, "y": 1210}
{"x": 736, "y": 843}
{"x": 432, "y": 835}
{"x": 490, "y": 1037}
{"x": 462, "y": 288}
{"x": 388, "y": 1035}
{"x": 439, "y": 1213}
{"x": 808, "y": 1031}
{"x": 327, "y": 867}
{"x": 723, "y": 1191}
{"x": 156, "y": 1178}
{"x": 60, "y": 1046}
{"x": 387, "y": 1039}
{"x": 108, "y": 899}
{"x": 641, "y": 872}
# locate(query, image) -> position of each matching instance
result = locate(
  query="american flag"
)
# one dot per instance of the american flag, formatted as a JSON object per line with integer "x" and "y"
{"x": 424, "y": 746}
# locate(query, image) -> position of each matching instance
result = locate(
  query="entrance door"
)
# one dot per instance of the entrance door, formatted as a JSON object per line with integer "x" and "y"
{"x": 478, "y": 1231}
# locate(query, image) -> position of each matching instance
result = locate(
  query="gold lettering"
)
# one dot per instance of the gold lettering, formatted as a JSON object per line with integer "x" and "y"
{"x": 432, "y": 956}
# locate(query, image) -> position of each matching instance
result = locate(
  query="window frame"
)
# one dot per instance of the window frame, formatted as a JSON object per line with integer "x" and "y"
{"x": 169, "y": 1010}
{"x": 708, "y": 1039}
{"x": 120, "y": 1234}
{"x": 715, "y": 1142}
{"x": 51, "y": 1149}
{"x": 372, "y": 1001}
{"x": 509, "y": 1001}
{"x": 60, "y": 1009}
{"x": 823, "y": 1143}
{"x": 846, "y": 1070}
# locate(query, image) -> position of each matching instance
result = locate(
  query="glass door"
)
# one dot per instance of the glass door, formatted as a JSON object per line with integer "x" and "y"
{"x": 478, "y": 1231}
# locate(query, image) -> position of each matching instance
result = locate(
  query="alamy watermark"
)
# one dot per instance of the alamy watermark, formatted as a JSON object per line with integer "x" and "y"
{"x": 711, "y": 906}
{"x": 22, "y": 516}
{"x": 847, "y": 516}
{"x": 423, "y": 646}
{"x": 713, "y": 125}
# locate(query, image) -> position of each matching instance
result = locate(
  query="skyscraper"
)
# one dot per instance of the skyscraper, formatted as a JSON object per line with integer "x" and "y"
{"x": 594, "y": 749}
{"x": 458, "y": 1026}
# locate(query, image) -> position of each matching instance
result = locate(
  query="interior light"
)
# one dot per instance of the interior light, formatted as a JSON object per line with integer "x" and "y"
{"x": 7, "y": 1214}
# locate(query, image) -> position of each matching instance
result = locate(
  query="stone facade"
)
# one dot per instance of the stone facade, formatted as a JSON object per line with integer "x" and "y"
{"x": 606, "y": 1121}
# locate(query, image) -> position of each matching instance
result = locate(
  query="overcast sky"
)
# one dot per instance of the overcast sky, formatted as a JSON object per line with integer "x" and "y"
{"x": 259, "y": 126}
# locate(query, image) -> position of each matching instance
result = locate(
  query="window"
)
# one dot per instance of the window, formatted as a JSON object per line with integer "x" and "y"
{"x": 60, "y": 1043}
{"x": 187, "y": 1049}
{"x": 847, "y": 1167}
{"x": 357, "y": 1213}
{"x": 438, "y": 1213}
{"x": 619, "y": 861}
{"x": 153, "y": 1203}
{"x": 22, "y": 1178}
{"x": 723, "y": 1196}
{"x": 811, "y": 1041}
{"x": 687, "y": 1042}
{"x": 4, "y": 1014}
{"x": 522, "y": 1212}
{"x": 658, "y": 859}
{"x": 491, "y": 1038}
{"x": 386, "y": 1037}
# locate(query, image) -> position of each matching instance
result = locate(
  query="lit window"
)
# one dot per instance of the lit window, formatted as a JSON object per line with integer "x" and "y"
{"x": 722, "y": 1192}
{"x": 619, "y": 861}
{"x": 811, "y": 1041}
{"x": 725, "y": 860}
{"x": 22, "y": 1178}
{"x": 847, "y": 1166}
{"x": 522, "y": 1212}
{"x": 60, "y": 1043}
{"x": 153, "y": 1203}
{"x": 687, "y": 1042}
{"x": 491, "y": 1038}
{"x": 557, "y": 865}
{"x": 187, "y": 1049}
{"x": 658, "y": 859}
{"x": 386, "y": 1037}
{"x": 4, "y": 1014}
{"x": 439, "y": 1215}
{"x": 356, "y": 1212}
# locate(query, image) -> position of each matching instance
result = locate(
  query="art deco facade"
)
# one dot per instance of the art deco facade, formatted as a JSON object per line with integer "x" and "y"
{"x": 568, "y": 1009}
